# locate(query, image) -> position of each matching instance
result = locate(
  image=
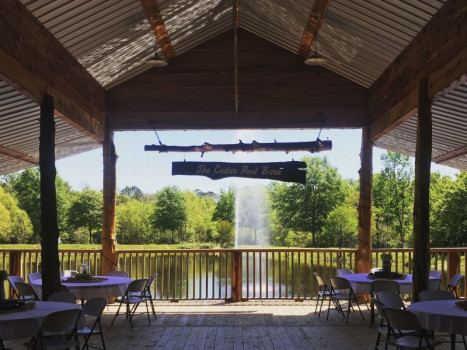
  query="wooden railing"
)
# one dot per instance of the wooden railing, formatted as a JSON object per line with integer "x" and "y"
{"x": 236, "y": 273}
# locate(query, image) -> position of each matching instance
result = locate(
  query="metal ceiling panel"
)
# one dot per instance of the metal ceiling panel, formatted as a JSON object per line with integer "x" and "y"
{"x": 449, "y": 115}
{"x": 19, "y": 132}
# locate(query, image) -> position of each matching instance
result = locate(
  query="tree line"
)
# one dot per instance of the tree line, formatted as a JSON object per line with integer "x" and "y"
{"x": 320, "y": 213}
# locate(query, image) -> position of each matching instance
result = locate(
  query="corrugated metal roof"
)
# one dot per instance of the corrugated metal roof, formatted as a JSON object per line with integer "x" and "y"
{"x": 19, "y": 132}
{"x": 112, "y": 39}
{"x": 449, "y": 115}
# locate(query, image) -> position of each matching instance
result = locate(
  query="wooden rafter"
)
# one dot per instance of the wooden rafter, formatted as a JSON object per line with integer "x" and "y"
{"x": 312, "y": 146}
{"x": 449, "y": 155}
{"x": 34, "y": 62}
{"x": 154, "y": 16}
{"x": 313, "y": 26}
{"x": 439, "y": 55}
{"x": 18, "y": 155}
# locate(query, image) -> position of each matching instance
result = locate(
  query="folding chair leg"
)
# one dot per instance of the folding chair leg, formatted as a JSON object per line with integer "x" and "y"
{"x": 152, "y": 306}
{"x": 118, "y": 311}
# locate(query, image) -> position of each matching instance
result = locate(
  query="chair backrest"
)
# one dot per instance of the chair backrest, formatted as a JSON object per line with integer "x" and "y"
{"x": 118, "y": 273}
{"x": 68, "y": 273}
{"x": 34, "y": 276}
{"x": 26, "y": 290}
{"x": 95, "y": 307}
{"x": 343, "y": 272}
{"x": 61, "y": 322}
{"x": 13, "y": 280}
{"x": 136, "y": 286}
{"x": 64, "y": 297}
{"x": 319, "y": 280}
{"x": 380, "y": 308}
{"x": 339, "y": 283}
{"x": 431, "y": 295}
{"x": 455, "y": 280}
{"x": 434, "y": 283}
{"x": 436, "y": 274}
{"x": 402, "y": 319}
{"x": 391, "y": 300}
{"x": 378, "y": 286}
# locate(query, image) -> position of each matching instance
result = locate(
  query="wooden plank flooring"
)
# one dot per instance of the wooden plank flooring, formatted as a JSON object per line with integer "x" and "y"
{"x": 237, "y": 326}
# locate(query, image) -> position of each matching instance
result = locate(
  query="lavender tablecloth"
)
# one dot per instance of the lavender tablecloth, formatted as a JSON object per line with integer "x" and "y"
{"x": 22, "y": 324}
{"x": 361, "y": 284}
{"x": 112, "y": 286}
{"x": 441, "y": 315}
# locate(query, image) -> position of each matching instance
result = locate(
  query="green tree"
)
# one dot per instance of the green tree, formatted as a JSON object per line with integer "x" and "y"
{"x": 397, "y": 178}
{"x": 25, "y": 186}
{"x": 225, "y": 207}
{"x": 15, "y": 225}
{"x": 199, "y": 227}
{"x": 132, "y": 192}
{"x": 304, "y": 208}
{"x": 86, "y": 212}
{"x": 170, "y": 212}
{"x": 341, "y": 228}
{"x": 133, "y": 222}
{"x": 449, "y": 217}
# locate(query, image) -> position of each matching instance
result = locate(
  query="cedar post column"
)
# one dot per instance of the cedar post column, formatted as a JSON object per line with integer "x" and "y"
{"x": 364, "y": 204}
{"x": 236, "y": 278}
{"x": 109, "y": 247}
{"x": 421, "y": 210}
{"x": 49, "y": 226}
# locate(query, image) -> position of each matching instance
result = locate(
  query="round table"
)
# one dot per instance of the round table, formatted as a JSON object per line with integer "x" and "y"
{"x": 111, "y": 286}
{"x": 361, "y": 284}
{"x": 442, "y": 316}
{"x": 22, "y": 324}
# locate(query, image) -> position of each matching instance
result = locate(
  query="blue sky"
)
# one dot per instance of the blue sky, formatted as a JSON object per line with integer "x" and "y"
{"x": 151, "y": 171}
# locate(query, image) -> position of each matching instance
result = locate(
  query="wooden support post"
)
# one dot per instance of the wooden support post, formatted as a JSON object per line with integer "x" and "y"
{"x": 15, "y": 264}
{"x": 364, "y": 204}
{"x": 108, "y": 241}
{"x": 421, "y": 210}
{"x": 236, "y": 278}
{"x": 454, "y": 263}
{"x": 49, "y": 226}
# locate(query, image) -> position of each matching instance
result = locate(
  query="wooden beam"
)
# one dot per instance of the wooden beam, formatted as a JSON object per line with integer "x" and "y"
{"x": 449, "y": 155}
{"x": 312, "y": 147}
{"x": 421, "y": 210}
{"x": 154, "y": 16}
{"x": 276, "y": 90}
{"x": 320, "y": 7}
{"x": 18, "y": 155}
{"x": 36, "y": 64}
{"x": 438, "y": 53}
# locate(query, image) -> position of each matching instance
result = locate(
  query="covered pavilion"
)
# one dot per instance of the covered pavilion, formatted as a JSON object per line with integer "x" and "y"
{"x": 72, "y": 72}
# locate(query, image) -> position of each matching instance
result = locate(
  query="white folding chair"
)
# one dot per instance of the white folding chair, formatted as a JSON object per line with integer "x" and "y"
{"x": 133, "y": 297}
{"x": 378, "y": 286}
{"x": 93, "y": 307}
{"x": 34, "y": 276}
{"x": 404, "y": 320}
{"x": 64, "y": 297}
{"x": 26, "y": 292}
{"x": 453, "y": 284}
{"x": 117, "y": 273}
{"x": 58, "y": 331}
{"x": 343, "y": 272}
{"x": 345, "y": 294}
{"x": 13, "y": 280}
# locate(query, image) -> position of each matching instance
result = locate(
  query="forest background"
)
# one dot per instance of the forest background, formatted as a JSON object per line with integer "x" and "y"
{"x": 320, "y": 213}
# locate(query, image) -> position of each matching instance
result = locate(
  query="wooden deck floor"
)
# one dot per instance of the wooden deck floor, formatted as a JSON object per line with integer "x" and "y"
{"x": 246, "y": 325}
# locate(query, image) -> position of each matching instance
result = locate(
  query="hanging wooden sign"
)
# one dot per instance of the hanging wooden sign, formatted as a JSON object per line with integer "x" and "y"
{"x": 280, "y": 171}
